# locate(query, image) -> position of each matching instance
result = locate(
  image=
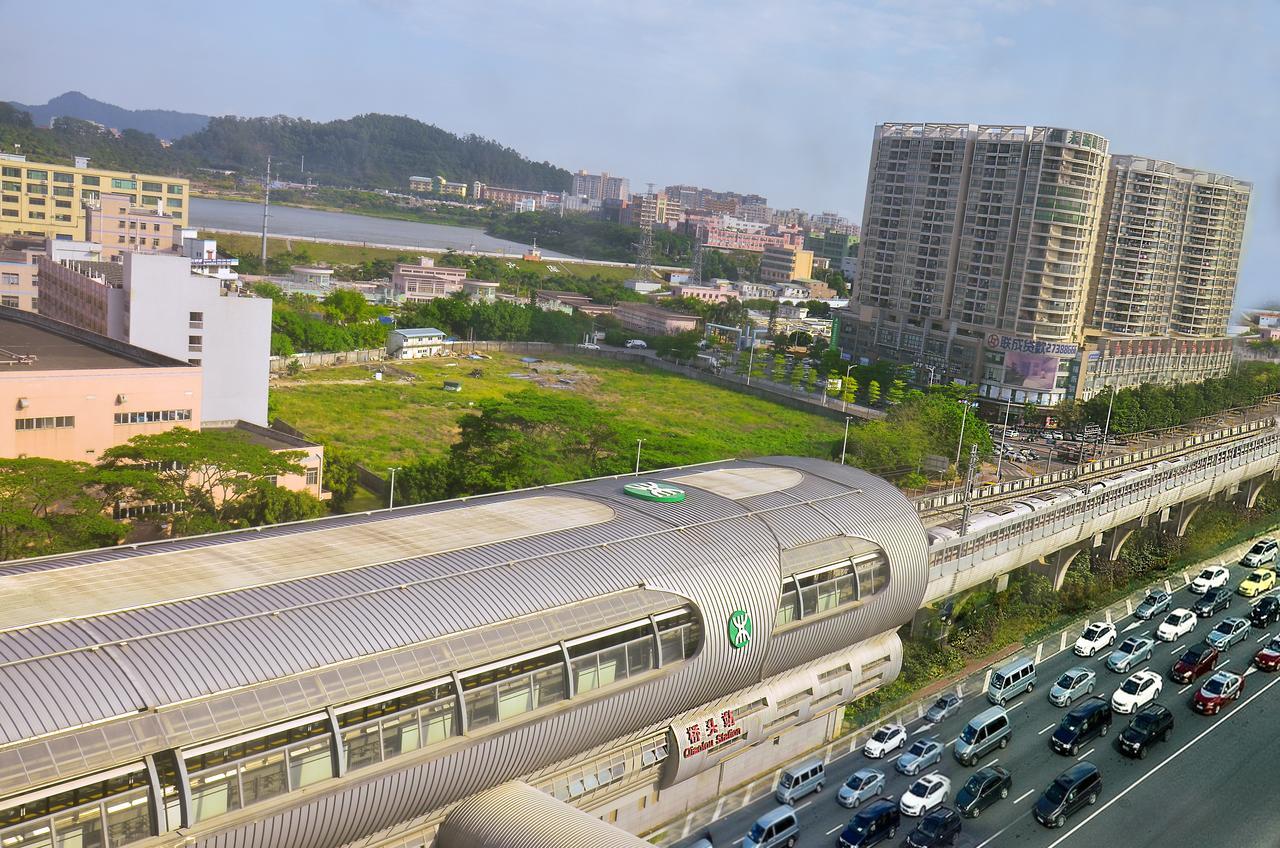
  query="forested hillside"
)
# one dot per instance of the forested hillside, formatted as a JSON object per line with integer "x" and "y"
{"x": 367, "y": 151}
{"x": 163, "y": 123}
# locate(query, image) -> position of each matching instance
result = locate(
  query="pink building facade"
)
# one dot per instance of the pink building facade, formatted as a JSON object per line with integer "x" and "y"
{"x": 707, "y": 294}
{"x": 653, "y": 320}
{"x": 426, "y": 280}
{"x": 119, "y": 226}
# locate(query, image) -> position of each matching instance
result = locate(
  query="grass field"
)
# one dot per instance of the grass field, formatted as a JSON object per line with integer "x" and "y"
{"x": 351, "y": 254}
{"x": 394, "y": 421}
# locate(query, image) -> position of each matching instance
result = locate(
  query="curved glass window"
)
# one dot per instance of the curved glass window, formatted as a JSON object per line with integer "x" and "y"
{"x": 838, "y": 585}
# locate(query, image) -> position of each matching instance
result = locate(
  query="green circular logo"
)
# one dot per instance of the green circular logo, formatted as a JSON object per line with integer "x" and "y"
{"x": 652, "y": 490}
{"x": 739, "y": 629}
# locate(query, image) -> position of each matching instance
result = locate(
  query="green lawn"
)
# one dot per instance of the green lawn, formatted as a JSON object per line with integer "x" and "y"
{"x": 681, "y": 420}
{"x": 351, "y": 254}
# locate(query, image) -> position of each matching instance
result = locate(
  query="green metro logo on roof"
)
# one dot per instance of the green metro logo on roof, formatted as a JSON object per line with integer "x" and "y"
{"x": 740, "y": 629}
{"x": 652, "y": 490}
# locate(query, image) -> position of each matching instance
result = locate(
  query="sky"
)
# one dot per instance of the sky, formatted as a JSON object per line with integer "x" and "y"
{"x": 775, "y": 98}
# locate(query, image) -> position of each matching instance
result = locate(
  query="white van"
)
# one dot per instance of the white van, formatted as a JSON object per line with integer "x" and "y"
{"x": 798, "y": 780}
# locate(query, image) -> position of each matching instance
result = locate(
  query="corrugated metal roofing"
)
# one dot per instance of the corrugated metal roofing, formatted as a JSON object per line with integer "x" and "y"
{"x": 515, "y": 815}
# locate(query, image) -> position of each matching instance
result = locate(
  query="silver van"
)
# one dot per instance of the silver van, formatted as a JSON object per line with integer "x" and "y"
{"x": 799, "y": 779}
{"x": 1011, "y": 680}
{"x": 984, "y": 733}
{"x": 775, "y": 829}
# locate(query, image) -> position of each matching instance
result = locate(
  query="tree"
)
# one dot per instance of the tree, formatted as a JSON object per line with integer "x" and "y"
{"x": 208, "y": 471}
{"x": 270, "y": 504}
{"x": 46, "y": 507}
{"x": 897, "y": 393}
{"x": 532, "y": 438}
{"x": 340, "y": 476}
{"x": 873, "y": 392}
{"x": 850, "y": 388}
{"x": 347, "y": 306}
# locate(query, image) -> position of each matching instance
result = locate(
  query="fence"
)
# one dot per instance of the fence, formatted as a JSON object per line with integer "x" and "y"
{"x": 280, "y": 364}
{"x": 967, "y": 685}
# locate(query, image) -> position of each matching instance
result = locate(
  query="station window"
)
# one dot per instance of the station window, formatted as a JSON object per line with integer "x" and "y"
{"x": 503, "y": 691}
{"x": 615, "y": 655}
{"x": 413, "y": 719}
{"x": 678, "y": 635}
{"x": 115, "y": 811}
{"x": 831, "y": 587}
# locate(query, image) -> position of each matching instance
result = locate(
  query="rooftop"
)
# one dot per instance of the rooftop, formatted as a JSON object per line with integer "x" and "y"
{"x": 259, "y": 435}
{"x": 419, "y": 333}
{"x": 31, "y": 343}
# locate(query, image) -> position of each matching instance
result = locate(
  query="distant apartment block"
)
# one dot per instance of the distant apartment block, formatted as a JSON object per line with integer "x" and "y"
{"x": 424, "y": 280}
{"x": 169, "y": 305}
{"x": 437, "y": 185}
{"x": 1032, "y": 263}
{"x": 600, "y": 187}
{"x": 648, "y": 210}
{"x": 48, "y": 200}
{"x": 653, "y": 320}
{"x": 19, "y": 283}
{"x": 521, "y": 200}
{"x": 783, "y": 264}
{"x": 120, "y": 227}
{"x": 832, "y": 245}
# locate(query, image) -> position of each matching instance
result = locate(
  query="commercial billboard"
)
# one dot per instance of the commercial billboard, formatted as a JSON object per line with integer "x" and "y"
{"x": 1038, "y": 371}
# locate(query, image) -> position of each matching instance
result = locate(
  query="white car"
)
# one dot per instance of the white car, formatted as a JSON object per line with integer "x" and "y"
{"x": 588, "y": 346}
{"x": 637, "y": 343}
{"x": 925, "y": 794}
{"x": 1140, "y": 689}
{"x": 1095, "y": 637}
{"x": 1176, "y": 624}
{"x": 1263, "y": 552}
{"x": 1213, "y": 577}
{"x": 888, "y": 738}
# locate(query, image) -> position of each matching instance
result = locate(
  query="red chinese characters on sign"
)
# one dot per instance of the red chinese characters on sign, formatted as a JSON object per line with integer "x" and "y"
{"x": 710, "y": 733}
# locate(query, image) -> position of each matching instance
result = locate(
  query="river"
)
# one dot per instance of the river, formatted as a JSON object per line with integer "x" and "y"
{"x": 343, "y": 226}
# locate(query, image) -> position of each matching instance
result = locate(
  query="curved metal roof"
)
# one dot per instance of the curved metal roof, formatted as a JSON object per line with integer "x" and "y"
{"x": 515, "y": 815}
{"x": 187, "y": 640}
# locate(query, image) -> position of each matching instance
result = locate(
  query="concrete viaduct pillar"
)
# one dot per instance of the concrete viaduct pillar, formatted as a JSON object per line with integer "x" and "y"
{"x": 1055, "y": 565}
{"x": 1251, "y": 488}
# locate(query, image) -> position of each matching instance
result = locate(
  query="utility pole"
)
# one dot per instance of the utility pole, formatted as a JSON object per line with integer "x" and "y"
{"x": 391, "y": 504}
{"x": 639, "y": 442}
{"x": 1004, "y": 435}
{"x": 751, "y": 346}
{"x": 844, "y": 447}
{"x": 964, "y": 416}
{"x": 266, "y": 205}
{"x": 1106, "y": 430}
{"x": 968, "y": 488}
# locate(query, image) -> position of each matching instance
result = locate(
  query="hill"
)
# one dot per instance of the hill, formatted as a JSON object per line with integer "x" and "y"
{"x": 162, "y": 123}
{"x": 367, "y": 151}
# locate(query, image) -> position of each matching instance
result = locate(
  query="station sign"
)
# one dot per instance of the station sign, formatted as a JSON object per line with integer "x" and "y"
{"x": 652, "y": 490}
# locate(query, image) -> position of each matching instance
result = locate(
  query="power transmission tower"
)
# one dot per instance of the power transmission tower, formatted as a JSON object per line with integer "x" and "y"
{"x": 644, "y": 253}
{"x": 695, "y": 264}
{"x": 969, "y": 481}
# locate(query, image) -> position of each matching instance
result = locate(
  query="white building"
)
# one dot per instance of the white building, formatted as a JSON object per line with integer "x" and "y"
{"x": 416, "y": 344}
{"x": 642, "y": 286}
{"x": 175, "y": 310}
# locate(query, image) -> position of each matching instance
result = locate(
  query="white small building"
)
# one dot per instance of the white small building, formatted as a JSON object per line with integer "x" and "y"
{"x": 643, "y": 286}
{"x": 480, "y": 291}
{"x": 416, "y": 344}
{"x": 311, "y": 275}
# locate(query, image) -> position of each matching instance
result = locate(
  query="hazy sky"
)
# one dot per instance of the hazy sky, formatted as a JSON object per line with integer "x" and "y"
{"x": 767, "y": 96}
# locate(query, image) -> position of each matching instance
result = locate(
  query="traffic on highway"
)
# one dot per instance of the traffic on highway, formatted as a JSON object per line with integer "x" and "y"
{"x": 1155, "y": 729}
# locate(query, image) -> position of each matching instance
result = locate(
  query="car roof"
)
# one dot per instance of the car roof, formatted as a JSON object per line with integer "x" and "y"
{"x": 775, "y": 814}
{"x": 1076, "y": 669}
{"x": 1153, "y": 707}
{"x": 875, "y": 808}
{"x": 1079, "y": 771}
{"x": 1092, "y": 705}
{"x": 1224, "y": 676}
{"x": 989, "y": 714}
{"x": 932, "y": 778}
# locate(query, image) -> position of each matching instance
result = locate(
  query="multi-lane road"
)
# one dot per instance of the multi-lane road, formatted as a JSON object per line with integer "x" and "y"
{"x": 1212, "y": 784}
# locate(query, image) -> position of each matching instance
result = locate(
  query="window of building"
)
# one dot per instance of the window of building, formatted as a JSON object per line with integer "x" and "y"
{"x": 11, "y": 185}
{"x": 129, "y": 185}
{"x": 391, "y": 725}
{"x": 679, "y": 635}
{"x": 9, "y": 300}
{"x": 62, "y": 219}
{"x": 35, "y": 201}
{"x": 156, "y": 187}
{"x": 9, "y": 213}
{"x": 604, "y": 659}
{"x": 148, "y": 200}
{"x": 113, "y": 812}
{"x": 62, "y": 204}
{"x": 196, "y": 320}
{"x": 51, "y": 422}
{"x": 36, "y": 216}
{"x": 33, "y": 174}
{"x": 313, "y": 476}
{"x": 512, "y": 687}
{"x": 175, "y": 203}
{"x": 37, "y": 188}
{"x": 10, "y": 198}
{"x": 152, "y": 416}
{"x": 193, "y": 361}
{"x": 63, "y": 177}
{"x": 832, "y": 586}
{"x": 63, "y": 191}
{"x": 90, "y": 181}
{"x": 175, "y": 189}
{"x": 195, "y": 344}
{"x": 10, "y": 172}
{"x": 9, "y": 279}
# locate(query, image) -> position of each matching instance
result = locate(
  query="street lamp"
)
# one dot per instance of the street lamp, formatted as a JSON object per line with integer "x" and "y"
{"x": 639, "y": 442}
{"x": 1004, "y": 435}
{"x": 1106, "y": 430}
{"x": 844, "y": 390}
{"x": 964, "y": 416}
{"x": 391, "y": 504}
{"x": 844, "y": 447}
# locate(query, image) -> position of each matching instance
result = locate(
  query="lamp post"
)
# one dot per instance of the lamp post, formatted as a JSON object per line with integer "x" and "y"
{"x": 391, "y": 503}
{"x": 1106, "y": 430}
{"x": 751, "y": 357}
{"x": 844, "y": 447}
{"x": 1004, "y": 435}
{"x": 639, "y": 442}
{"x": 964, "y": 416}
{"x": 844, "y": 391}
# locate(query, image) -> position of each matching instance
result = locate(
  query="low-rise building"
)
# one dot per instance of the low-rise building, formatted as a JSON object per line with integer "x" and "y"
{"x": 480, "y": 291}
{"x": 417, "y": 343}
{"x": 642, "y": 286}
{"x": 309, "y": 480}
{"x": 559, "y": 301}
{"x": 312, "y": 276}
{"x": 653, "y": 320}
{"x": 424, "y": 280}
{"x": 71, "y": 393}
{"x": 783, "y": 264}
{"x": 114, "y": 222}
{"x": 18, "y": 280}
{"x": 718, "y": 293}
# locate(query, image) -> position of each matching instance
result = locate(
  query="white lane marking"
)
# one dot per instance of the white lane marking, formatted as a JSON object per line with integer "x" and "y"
{"x": 805, "y": 804}
{"x": 1131, "y": 626}
{"x": 1024, "y": 796}
{"x": 921, "y": 729}
{"x": 993, "y": 762}
{"x": 1184, "y": 689}
{"x": 953, "y": 741}
{"x": 1250, "y": 670}
{"x": 1085, "y": 754}
{"x": 1042, "y": 732}
{"x": 1019, "y": 704}
{"x": 1260, "y": 638}
{"x": 1175, "y": 650}
{"x": 739, "y": 840}
{"x": 834, "y": 829}
{"x": 1160, "y": 765}
{"x": 993, "y": 837}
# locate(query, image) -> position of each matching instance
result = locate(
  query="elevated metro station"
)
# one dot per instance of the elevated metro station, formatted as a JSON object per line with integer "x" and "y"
{"x": 445, "y": 674}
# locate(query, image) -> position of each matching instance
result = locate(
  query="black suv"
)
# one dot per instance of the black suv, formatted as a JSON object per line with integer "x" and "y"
{"x": 1215, "y": 600}
{"x": 984, "y": 787}
{"x": 1087, "y": 721}
{"x": 1068, "y": 794}
{"x": 940, "y": 827}
{"x": 1266, "y": 612}
{"x": 1151, "y": 724}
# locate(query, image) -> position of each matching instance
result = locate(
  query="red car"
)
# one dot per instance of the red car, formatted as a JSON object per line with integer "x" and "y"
{"x": 1216, "y": 691}
{"x": 1195, "y": 661}
{"x": 1268, "y": 659}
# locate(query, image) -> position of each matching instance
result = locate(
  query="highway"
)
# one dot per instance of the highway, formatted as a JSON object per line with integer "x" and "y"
{"x": 1210, "y": 785}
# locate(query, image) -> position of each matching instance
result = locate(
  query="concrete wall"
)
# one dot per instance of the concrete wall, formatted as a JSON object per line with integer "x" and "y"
{"x": 235, "y": 344}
